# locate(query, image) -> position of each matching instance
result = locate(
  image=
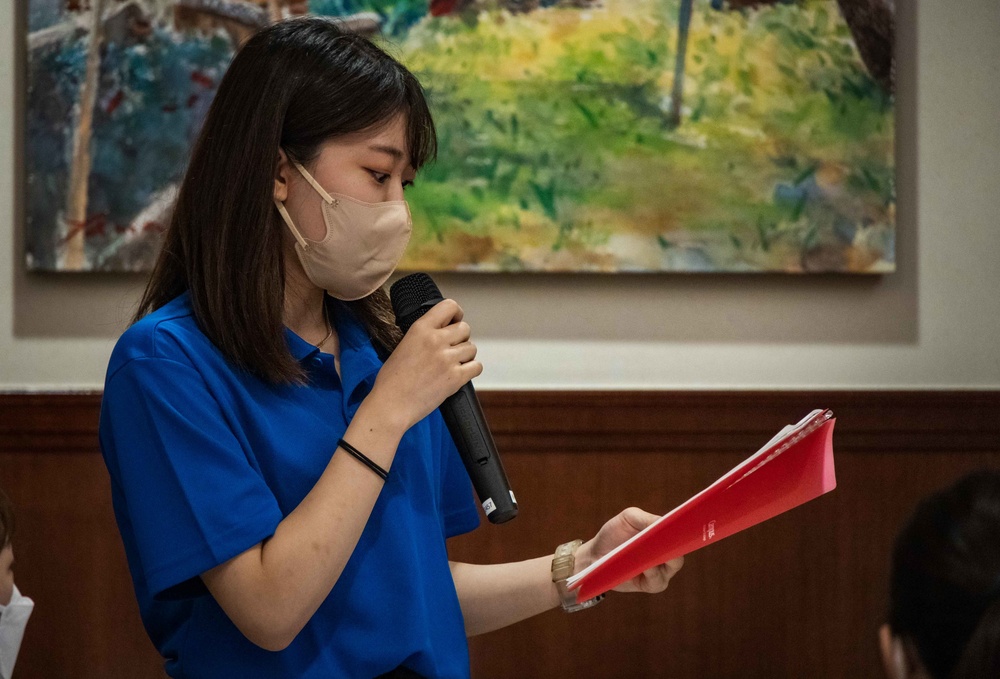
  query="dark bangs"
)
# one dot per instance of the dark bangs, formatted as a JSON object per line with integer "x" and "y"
{"x": 420, "y": 132}
{"x": 326, "y": 108}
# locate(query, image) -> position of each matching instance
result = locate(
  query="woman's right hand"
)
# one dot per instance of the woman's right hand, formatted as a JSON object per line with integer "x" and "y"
{"x": 434, "y": 360}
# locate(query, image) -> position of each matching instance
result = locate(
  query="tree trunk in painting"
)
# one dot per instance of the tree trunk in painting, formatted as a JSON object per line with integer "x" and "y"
{"x": 73, "y": 256}
{"x": 873, "y": 26}
{"x": 677, "y": 95}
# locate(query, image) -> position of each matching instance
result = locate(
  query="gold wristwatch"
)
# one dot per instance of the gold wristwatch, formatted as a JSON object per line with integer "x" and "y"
{"x": 563, "y": 563}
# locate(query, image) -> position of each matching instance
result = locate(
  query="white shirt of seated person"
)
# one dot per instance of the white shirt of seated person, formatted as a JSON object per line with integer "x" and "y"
{"x": 15, "y": 609}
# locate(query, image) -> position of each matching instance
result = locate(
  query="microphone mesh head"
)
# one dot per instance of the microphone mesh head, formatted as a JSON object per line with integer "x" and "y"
{"x": 409, "y": 295}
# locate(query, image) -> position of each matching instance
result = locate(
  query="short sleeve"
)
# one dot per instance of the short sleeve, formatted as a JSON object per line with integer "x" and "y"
{"x": 194, "y": 497}
{"x": 459, "y": 509}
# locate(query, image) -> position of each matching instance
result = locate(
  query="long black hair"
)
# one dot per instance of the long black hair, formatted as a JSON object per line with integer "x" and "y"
{"x": 293, "y": 85}
{"x": 945, "y": 589}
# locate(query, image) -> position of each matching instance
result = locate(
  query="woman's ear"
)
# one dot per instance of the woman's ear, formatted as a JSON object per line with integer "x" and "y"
{"x": 893, "y": 654}
{"x": 281, "y": 175}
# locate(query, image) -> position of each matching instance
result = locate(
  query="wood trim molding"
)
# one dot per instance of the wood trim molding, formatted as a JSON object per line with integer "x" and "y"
{"x": 724, "y": 421}
{"x": 38, "y": 422}
{"x": 610, "y": 421}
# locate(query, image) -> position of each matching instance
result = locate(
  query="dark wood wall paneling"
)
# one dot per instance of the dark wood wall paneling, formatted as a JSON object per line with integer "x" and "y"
{"x": 799, "y": 596}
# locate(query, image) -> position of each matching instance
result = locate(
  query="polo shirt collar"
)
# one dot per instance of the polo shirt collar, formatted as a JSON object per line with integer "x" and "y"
{"x": 359, "y": 364}
{"x": 301, "y": 350}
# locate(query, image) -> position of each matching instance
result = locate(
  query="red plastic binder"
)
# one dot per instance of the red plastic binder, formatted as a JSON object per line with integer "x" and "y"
{"x": 792, "y": 468}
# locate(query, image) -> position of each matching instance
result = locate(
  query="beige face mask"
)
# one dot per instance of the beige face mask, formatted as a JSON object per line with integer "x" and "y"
{"x": 363, "y": 244}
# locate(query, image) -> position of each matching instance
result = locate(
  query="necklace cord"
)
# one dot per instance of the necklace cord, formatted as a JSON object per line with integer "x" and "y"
{"x": 329, "y": 325}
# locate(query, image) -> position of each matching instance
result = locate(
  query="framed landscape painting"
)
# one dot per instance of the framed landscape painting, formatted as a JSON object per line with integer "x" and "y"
{"x": 574, "y": 135}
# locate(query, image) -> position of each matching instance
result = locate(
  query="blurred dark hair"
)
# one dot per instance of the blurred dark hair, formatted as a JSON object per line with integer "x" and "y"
{"x": 293, "y": 85}
{"x": 6, "y": 520}
{"x": 945, "y": 590}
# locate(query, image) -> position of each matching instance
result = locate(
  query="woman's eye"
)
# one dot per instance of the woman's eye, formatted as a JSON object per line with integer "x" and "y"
{"x": 407, "y": 184}
{"x": 380, "y": 177}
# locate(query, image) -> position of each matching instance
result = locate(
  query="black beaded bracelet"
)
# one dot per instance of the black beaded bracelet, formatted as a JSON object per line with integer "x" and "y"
{"x": 382, "y": 474}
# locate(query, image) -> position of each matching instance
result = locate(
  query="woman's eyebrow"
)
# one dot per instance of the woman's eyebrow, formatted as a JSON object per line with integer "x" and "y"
{"x": 396, "y": 153}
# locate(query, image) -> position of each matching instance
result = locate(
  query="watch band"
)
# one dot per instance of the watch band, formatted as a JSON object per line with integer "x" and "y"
{"x": 563, "y": 563}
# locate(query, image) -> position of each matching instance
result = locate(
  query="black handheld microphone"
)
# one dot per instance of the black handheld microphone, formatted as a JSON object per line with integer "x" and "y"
{"x": 412, "y": 296}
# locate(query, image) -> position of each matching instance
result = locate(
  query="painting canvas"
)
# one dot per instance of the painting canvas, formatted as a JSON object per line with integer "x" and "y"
{"x": 574, "y": 135}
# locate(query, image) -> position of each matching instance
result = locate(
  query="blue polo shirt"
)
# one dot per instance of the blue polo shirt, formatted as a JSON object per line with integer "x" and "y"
{"x": 206, "y": 460}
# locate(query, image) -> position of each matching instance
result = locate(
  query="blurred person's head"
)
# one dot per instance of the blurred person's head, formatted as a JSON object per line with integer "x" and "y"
{"x": 944, "y": 604}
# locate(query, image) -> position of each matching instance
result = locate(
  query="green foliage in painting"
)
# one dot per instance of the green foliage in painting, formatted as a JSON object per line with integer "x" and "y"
{"x": 557, "y": 151}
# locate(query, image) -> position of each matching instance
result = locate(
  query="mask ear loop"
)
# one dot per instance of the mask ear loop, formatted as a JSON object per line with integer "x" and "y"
{"x": 288, "y": 220}
{"x": 315, "y": 184}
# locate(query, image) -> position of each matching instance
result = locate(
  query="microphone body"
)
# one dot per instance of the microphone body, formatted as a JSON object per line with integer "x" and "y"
{"x": 412, "y": 296}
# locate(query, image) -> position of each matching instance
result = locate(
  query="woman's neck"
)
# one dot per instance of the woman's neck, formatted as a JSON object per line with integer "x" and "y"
{"x": 304, "y": 314}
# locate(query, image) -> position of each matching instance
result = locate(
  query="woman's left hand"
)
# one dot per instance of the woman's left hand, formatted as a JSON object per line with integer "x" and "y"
{"x": 618, "y": 530}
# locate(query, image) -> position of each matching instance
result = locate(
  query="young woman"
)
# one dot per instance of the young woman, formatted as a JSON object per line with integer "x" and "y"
{"x": 283, "y": 495}
{"x": 944, "y": 608}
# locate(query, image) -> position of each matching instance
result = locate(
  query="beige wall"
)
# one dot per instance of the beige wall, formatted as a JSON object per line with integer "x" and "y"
{"x": 935, "y": 323}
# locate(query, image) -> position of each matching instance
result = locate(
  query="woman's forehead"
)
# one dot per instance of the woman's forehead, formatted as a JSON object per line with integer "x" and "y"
{"x": 388, "y": 144}
{"x": 391, "y": 135}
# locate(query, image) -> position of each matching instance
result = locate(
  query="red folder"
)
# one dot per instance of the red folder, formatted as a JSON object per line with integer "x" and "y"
{"x": 792, "y": 468}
